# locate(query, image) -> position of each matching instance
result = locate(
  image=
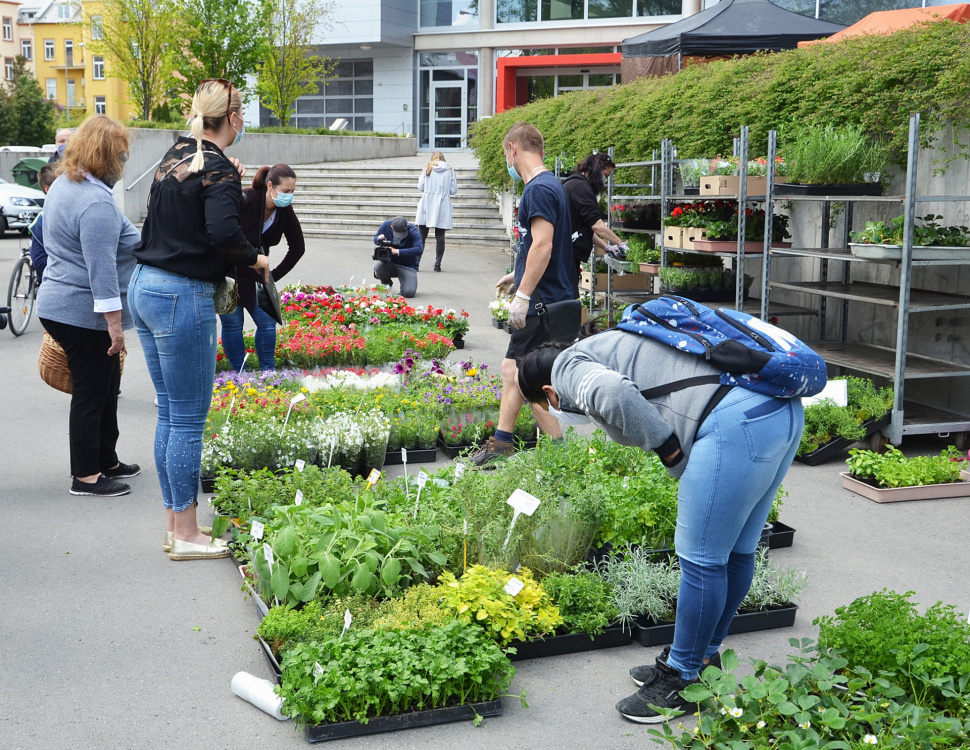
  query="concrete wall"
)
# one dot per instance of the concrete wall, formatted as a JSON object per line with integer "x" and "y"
{"x": 148, "y": 146}
{"x": 395, "y": 98}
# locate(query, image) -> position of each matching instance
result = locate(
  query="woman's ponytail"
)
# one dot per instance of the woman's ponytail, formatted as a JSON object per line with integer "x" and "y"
{"x": 195, "y": 129}
{"x": 211, "y": 105}
{"x": 259, "y": 179}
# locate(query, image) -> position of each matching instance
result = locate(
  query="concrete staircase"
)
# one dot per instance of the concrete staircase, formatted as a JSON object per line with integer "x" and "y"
{"x": 336, "y": 200}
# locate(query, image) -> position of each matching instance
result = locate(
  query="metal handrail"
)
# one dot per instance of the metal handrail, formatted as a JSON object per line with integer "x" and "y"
{"x": 152, "y": 168}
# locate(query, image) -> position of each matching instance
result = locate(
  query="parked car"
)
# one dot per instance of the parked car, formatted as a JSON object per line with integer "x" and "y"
{"x": 18, "y": 206}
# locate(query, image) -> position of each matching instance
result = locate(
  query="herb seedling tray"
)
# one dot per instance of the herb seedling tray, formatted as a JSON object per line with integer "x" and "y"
{"x": 837, "y": 446}
{"x": 415, "y": 456}
{"x": 920, "y": 252}
{"x": 262, "y": 609}
{"x": 902, "y": 494}
{"x": 571, "y": 643}
{"x": 274, "y": 666}
{"x": 855, "y": 188}
{"x": 325, "y": 732}
{"x": 782, "y": 535}
{"x": 648, "y": 633}
{"x": 456, "y": 451}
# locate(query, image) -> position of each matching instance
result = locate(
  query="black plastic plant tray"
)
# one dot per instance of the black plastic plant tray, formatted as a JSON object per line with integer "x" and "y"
{"x": 858, "y": 188}
{"x": 274, "y": 666}
{"x": 453, "y": 451}
{"x": 208, "y": 485}
{"x": 646, "y": 633}
{"x": 415, "y": 456}
{"x": 262, "y": 608}
{"x": 459, "y": 342}
{"x": 706, "y": 295}
{"x": 782, "y": 535}
{"x": 573, "y": 643}
{"x": 839, "y": 445}
{"x": 325, "y": 732}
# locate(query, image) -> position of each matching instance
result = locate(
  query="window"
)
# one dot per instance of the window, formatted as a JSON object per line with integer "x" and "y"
{"x": 531, "y": 11}
{"x": 100, "y": 106}
{"x": 25, "y": 49}
{"x": 562, "y": 10}
{"x": 97, "y": 28}
{"x": 52, "y": 88}
{"x": 461, "y": 13}
{"x": 8, "y": 68}
{"x": 48, "y": 49}
{"x": 69, "y": 50}
{"x": 7, "y": 29}
{"x": 348, "y": 95}
{"x": 63, "y": 11}
{"x": 98, "y": 68}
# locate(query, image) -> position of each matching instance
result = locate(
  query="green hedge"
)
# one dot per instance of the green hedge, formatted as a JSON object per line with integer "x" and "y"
{"x": 872, "y": 81}
{"x": 151, "y": 125}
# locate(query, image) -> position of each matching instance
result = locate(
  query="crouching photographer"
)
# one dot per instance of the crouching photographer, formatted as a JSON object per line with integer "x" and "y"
{"x": 398, "y": 254}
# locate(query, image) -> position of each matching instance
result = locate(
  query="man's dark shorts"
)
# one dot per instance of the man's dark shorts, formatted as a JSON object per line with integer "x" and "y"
{"x": 525, "y": 340}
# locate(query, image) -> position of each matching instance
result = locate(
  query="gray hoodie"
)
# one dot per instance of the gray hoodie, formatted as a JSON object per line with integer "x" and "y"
{"x": 603, "y": 375}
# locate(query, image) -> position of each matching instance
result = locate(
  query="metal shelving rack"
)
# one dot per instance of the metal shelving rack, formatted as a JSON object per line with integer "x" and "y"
{"x": 895, "y": 364}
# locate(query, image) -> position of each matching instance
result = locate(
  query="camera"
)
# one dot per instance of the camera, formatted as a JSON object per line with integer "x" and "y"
{"x": 383, "y": 250}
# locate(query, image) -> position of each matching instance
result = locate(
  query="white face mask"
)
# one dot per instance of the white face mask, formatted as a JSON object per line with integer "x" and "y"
{"x": 568, "y": 417}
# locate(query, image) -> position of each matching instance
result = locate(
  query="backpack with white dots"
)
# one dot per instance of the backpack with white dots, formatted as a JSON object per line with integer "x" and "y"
{"x": 749, "y": 352}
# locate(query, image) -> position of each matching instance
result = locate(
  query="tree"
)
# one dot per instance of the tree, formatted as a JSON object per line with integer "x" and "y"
{"x": 291, "y": 68}
{"x": 138, "y": 37}
{"x": 29, "y": 113}
{"x": 225, "y": 39}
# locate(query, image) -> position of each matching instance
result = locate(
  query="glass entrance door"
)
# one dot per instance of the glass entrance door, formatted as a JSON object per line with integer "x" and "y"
{"x": 449, "y": 115}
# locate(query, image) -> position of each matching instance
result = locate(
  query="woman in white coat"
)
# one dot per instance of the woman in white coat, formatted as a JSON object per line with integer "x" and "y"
{"x": 437, "y": 183}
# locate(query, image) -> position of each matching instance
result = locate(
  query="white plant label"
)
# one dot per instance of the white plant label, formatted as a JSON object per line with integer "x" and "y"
{"x": 232, "y": 402}
{"x": 465, "y": 527}
{"x": 268, "y": 554}
{"x": 422, "y": 478}
{"x": 404, "y": 455}
{"x": 245, "y": 360}
{"x": 297, "y": 399}
{"x": 459, "y": 471}
{"x": 300, "y": 465}
{"x": 299, "y": 497}
{"x": 374, "y": 476}
{"x": 317, "y": 669}
{"x": 347, "y": 620}
{"x": 513, "y": 587}
{"x": 257, "y": 530}
{"x": 835, "y": 390}
{"x": 521, "y": 502}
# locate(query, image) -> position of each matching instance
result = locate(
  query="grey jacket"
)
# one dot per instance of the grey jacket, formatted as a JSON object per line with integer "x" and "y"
{"x": 603, "y": 375}
{"x": 89, "y": 246}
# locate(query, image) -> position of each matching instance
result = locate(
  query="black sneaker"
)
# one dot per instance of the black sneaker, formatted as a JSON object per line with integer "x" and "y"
{"x": 104, "y": 487}
{"x": 663, "y": 691}
{"x": 122, "y": 471}
{"x": 646, "y": 672}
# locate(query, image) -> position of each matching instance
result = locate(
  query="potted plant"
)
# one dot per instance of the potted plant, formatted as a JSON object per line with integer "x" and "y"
{"x": 643, "y": 254}
{"x": 691, "y": 172}
{"x": 722, "y": 236}
{"x": 500, "y": 313}
{"x": 832, "y": 161}
{"x": 891, "y": 477}
{"x": 931, "y": 240}
{"x": 830, "y": 428}
{"x": 704, "y": 284}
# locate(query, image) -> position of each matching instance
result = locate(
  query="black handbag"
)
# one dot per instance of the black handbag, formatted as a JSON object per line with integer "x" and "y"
{"x": 561, "y": 320}
{"x": 268, "y": 299}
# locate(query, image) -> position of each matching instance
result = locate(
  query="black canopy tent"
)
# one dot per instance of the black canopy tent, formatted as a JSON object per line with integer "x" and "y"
{"x": 732, "y": 27}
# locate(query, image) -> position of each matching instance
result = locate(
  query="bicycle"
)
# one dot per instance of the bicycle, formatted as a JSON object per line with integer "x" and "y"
{"x": 21, "y": 295}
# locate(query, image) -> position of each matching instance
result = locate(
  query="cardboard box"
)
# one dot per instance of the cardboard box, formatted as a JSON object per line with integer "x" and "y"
{"x": 673, "y": 236}
{"x": 628, "y": 282}
{"x": 730, "y": 184}
{"x": 689, "y": 235}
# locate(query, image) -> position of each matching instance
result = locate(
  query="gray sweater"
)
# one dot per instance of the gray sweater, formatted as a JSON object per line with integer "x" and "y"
{"x": 89, "y": 246}
{"x": 603, "y": 375}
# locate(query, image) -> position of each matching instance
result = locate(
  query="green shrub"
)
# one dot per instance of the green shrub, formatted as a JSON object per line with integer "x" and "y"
{"x": 893, "y": 469}
{"x": 884, "y": 632}
{"x": 585, "y": 601}
{"x": 873, "y": 82}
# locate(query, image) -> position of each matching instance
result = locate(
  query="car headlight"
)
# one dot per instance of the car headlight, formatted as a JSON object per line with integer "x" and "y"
{"x": 16, "y": 201}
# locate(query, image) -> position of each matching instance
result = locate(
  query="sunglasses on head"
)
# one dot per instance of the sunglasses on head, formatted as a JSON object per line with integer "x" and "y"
{"x": 228, "y": 85}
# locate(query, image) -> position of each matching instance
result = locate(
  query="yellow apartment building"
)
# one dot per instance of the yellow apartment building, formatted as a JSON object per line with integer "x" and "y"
{"x": 79, "y": 81}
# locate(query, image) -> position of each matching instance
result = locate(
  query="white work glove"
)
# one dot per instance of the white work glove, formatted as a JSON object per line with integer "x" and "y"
{"x": 504, "y": 286}
{"x": 518, "y": 310}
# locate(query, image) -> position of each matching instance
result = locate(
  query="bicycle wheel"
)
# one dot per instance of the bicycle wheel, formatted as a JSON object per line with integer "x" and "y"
{"x": 21, "y": 295}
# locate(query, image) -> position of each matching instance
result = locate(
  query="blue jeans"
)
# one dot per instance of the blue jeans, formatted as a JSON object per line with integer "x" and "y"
{"x": 232, "y": 337}
{"x": 740, "y": 454}
{"x": 176, "y": 323}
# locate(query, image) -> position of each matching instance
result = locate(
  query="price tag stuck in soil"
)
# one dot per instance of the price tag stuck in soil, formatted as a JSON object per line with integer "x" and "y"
{"x": 459, "y": 471}
{"x": 300, "y": 465}
{"x": 299, "y": 497}
{"x": 268, "y": 554}
{"x": 347, "y": 620}
{"x": 257, "y": 529}
{"x": 513, "y": 587}
{"x": 521, "y": 502}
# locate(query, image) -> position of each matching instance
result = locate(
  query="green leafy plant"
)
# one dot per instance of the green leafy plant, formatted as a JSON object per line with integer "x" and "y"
{"x": 885, "y": 634}
{"x": 829, "y": 155}
{"x": 644, "y": 585}
{"x": 479, "y": 597}
{"x": 772, "y": 585}
{"x": 244, "y": 494}
{"x": 893, "y": 469}
{"x": 372, "y": 673}
{"x": 930, "y": 234}
{"x": 585, "y": 601}
{"x": 825, "y": 420}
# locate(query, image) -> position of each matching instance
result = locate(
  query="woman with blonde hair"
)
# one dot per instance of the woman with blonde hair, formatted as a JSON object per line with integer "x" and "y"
{"x": 437, "y": 183}
{"x": 82, "y": 302}
{"x": 192, "y": 238}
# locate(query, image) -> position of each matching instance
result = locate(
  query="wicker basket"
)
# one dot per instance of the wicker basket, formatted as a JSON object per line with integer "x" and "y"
{"x": 52, "y": 364}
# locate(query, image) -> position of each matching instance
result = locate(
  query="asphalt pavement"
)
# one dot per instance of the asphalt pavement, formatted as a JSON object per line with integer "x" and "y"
{"x": 105, "y": 643}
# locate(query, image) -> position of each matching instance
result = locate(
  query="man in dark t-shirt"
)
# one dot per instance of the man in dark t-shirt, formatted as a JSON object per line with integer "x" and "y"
{"x": 543, "y": 275}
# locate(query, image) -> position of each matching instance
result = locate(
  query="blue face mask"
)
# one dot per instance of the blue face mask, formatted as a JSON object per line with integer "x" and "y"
{"x": 282, "y": 200}
{"x": 239, "y": 135}
{"x": 512, "y": 173}
{"x": 60, "y": 149}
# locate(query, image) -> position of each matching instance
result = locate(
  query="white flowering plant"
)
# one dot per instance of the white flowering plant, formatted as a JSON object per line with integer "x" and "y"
{"x": 816, "y": 702}
{"x": 499, "y": 309}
